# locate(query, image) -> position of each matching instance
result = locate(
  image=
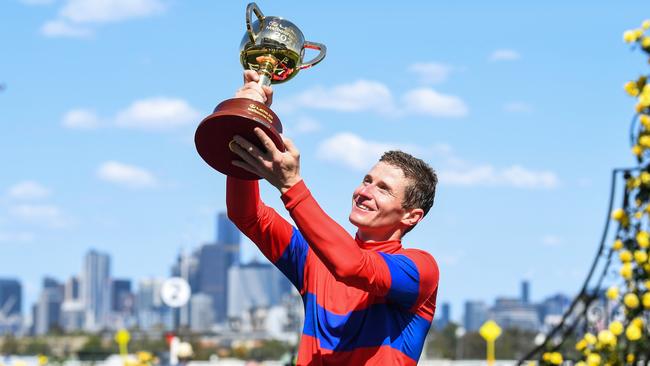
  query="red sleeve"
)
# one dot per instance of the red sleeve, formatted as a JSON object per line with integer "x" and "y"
{"x": 265, "y": 227}
{"x": 408, "y": 279}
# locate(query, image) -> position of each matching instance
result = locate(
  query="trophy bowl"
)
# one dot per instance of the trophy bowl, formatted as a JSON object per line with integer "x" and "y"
{"x": 273, "y": 47}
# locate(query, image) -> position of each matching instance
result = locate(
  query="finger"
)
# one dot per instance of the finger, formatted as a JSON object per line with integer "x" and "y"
{"x": 291, "y": 148}
{"x": 244, "y": 149}
{"x": 250, "y": 75}
{"x": 266, "y": 141}
{"x": 268, "y": 91}
{"x": 247, "y": 167}
{"x": 256, "y": 88}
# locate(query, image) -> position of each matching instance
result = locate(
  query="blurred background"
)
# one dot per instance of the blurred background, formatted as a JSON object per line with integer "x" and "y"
{"x": 519, "y": 107}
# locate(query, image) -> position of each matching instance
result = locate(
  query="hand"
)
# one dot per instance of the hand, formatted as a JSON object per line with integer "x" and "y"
{"x": 281, "y": 169}
{"x": 253, "y": 90}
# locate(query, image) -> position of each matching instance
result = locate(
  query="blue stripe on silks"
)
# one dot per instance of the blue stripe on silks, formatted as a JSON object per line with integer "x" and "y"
{"x": 292, "y": 261}
{"x": 405, "y": 280}
{"x": 378, "y": 325}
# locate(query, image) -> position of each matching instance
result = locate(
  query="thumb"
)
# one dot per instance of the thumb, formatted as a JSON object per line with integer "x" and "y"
{"x": 291, "y": 148}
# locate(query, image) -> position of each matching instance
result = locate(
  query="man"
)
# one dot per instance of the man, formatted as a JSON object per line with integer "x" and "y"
{"x": 368, "y": 301}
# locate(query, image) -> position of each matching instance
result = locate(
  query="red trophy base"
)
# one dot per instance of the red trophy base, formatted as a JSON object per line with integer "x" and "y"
{"x": 237, "y": 116}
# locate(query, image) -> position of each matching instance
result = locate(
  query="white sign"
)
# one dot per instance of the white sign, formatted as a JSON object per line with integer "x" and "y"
{"x": 175, "y": 292}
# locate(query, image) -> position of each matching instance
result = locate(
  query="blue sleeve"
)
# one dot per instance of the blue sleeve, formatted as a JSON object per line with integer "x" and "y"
{"x": 292, "y": 261}
{"x": 405, "y": 280}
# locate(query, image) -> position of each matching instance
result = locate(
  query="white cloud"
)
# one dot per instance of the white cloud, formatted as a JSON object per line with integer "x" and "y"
{"x": 364, "y": 95}
{"x": 102, "y": 11}
{"x": 504, "y": 55}
{"x": 18, "y": 237}
{"x": 306, "y": 125}
{"x": 431, "y": 73}
{"x": 46, "y": 215}
{"x": 157, "y": 114}
{"x": 126, "y": 175}
{"x": 486, "y": 175}
{"x": 517, "y": 107}
{"x": 28, "y": 190}
{"x": 62, "y": 28}
{"x": 81, "y": 119}
{"x": 358, "y": 96}
{"x": 428, "y": 102}
{"x": 75, "y": 13}
{"x": 352, "y": 151}
{"x": 551, "y": 240}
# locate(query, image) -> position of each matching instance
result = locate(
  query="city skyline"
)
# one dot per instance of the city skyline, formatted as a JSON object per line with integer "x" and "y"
{"x": 518, "y": 106}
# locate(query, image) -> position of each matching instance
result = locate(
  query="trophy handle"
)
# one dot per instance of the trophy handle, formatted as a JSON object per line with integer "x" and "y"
{"x": 253, "y": 8}
{"x": 321, "y": 55}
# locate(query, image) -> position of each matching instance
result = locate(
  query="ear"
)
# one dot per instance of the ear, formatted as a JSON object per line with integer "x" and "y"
{"x": 412, "y": 217}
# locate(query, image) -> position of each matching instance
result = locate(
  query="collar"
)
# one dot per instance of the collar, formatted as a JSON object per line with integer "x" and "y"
{"x": 388, "y": 246}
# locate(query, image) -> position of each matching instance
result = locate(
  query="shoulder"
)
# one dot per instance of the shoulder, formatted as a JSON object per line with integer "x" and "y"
{"x": 425, "y": 263}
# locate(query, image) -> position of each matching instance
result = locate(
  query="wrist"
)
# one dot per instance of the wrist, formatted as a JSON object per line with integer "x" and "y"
{"x": 285, "y": 186}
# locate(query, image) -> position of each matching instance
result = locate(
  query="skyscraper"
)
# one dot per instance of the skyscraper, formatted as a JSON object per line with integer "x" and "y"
{"x": 48, "y": 308}
{"x": 227, "y": 232}
{"x": 10, "y": 305}
{"x": 121, "y": 296}
{"x": 525, "y": 292}
{"x": 476, "y": 313}
{"x": 95, "y": 289}
{"x": 442, "y": 317}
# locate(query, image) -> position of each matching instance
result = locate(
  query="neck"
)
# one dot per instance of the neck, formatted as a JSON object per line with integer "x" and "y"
{"x": 373, "y": 236}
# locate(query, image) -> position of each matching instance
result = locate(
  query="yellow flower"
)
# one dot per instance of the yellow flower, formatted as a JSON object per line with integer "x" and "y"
{"x": 647, "y": 284}
{"x": 645, "y": 299}
{"x": 618, "y": 244}
{"x": 645, "y": 24}
{"x": 637, "y": 322}
{"x": 607, "y": 338}
{"x": 629, "y": 36}
{"x": 546, "y": 356}
{"x": 581, "y": 344}
{"x": 612, "y": 293}
{"x": 643, "y": 238}
{"x": 633, "y": 333}
{"x": 590, "y": 338}
{"x": 630, "y": 358}
{"x": 631, "y": 88}
{"x": 637, "y": 150}
{"x": 616, "y": 328}
{"x": 625, "y": 256}
{"x": 645, "y": 120}
{"x": 646, "y": 267}
{"x": 644, "y": 141}
{"x": 645, "y": 178}
{"x": 644, "y": 100}
{"x": 626, "y": 271}
{"x": 645, "y": 42}
{"x": 619, "y": 213}
{"x": 580, "y": 363}
{"x": 638, "y": 215}
{"x": 631, "y": 300}
{"x": 593, "y": 359}
{"x": 556, "y": 358}
{"x": 640, "y": 256}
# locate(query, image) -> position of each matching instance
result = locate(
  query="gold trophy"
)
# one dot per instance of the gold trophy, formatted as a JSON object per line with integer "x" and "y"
{"x": 274, "y": 47}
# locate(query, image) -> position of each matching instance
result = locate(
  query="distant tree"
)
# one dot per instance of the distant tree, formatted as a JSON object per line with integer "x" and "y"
{"x": 10, "y": 345}
{"x": 36, "y": 346}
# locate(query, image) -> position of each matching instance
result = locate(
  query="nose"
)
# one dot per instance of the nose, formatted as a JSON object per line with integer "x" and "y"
{"x": 365, "y": 190}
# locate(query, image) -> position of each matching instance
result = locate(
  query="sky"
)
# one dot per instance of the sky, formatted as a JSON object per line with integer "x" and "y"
{"x": 518, "y": 106}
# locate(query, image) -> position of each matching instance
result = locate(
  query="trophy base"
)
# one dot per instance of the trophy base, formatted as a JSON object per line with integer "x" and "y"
{"x": 237, "y": 116}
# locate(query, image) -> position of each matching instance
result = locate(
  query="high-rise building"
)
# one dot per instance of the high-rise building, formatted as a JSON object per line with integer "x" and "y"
{"x": 227, "y": 232}
{"x": 121, "y": 296}
{"x": 151, "y": 311}
{"x": 95, "y": 289}
{"x": 201, "y": 313}
{"x": 443, "y": 316}
{"x": 48, "y": 308}
{"x": 513, "y": 313}
{"x": 10, "y": 305}
{"x": 476, "y": 313}
{"x": 252, "y": 287}
{"x": 73, "y": 312}
{"x": 525, "y": 292}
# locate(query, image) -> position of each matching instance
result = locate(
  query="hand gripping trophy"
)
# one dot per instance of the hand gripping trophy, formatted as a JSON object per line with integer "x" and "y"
{"x": 274, "y": 47}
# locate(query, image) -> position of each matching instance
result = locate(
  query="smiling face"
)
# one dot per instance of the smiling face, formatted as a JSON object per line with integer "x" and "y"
{"x": 377, "y": 204}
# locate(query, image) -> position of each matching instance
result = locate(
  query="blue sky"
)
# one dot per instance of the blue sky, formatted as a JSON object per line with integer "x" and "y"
{"x": 519, "y": 106}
